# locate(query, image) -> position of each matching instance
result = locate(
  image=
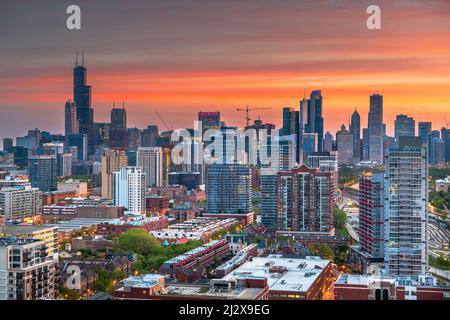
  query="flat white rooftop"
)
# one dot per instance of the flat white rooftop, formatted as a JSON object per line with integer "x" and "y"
{"x": 288, "y": 274}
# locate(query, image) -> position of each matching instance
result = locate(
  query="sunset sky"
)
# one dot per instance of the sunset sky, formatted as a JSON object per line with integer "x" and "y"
{"x": 178, "y": 57}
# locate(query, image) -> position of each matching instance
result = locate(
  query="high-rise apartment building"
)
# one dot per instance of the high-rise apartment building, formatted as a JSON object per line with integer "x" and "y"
{"x": 18, "y": 203}
{"x": 112, "y": 161}
{"x": 25, "y": 271}
{"x": 43, "y": 172}
{"x": 129, "y": 189}
{"x": 375, "y": 128}
{"x": 406, "y": 209}
{"x": 150, "y": 159}
{"x": 304, "y": 200}
{"x": 229, "y": 189}
{"x": 371, "y": 214}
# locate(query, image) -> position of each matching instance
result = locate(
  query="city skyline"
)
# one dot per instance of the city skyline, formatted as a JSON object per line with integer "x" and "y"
{"x": 185, "y": 62}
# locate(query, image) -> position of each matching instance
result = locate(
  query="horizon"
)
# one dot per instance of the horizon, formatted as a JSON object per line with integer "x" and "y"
{"x": 184, "y": 60}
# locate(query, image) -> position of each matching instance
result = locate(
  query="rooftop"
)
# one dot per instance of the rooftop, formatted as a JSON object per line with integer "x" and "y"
{"x": 283, "y": 273}
{"x": 23, "y": 228}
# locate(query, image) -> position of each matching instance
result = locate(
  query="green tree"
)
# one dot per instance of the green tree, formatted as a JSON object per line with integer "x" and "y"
{"x": 340, "y": 218}
{"x": 139, "y": 241}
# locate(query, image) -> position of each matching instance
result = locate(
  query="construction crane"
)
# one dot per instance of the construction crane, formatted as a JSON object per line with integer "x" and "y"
{"x": 446, "y": 122}
{"x": 247, "y": 110}
{"x": 162, "y": 120}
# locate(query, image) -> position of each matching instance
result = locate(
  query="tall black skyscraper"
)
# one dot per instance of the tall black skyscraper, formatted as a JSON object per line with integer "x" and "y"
{"x": 315, "y": 117}
{"x": 355, "y": 129}
{"x": 291, "y": 125}
{"x": 82, "y": 98}
{"x": 376, "y": 131}
{"x": 118, "y": 131}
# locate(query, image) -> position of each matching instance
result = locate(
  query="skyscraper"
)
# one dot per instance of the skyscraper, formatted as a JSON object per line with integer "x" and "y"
{"x": 445, "y": 135}
{"x": 315, "y": 117}
{"x": 7, "y": 144}
{"x": 371, "y": 214}
{"x": 43, "y": 172}
{"x": 309, "y": 144}
{"x": 305, "y": 200}
{"x": 328, "y": 142}
{"x": 376, "y": 128}
{"x": 82, "y": 99}
{"x": 424, "y": 131}
{"x": 80, "y": 141}
{"x": 129, "y": 189}
{"x": 150, "y": 160}
{"x": 209, "y": 120}
{"x": 150, "y": 136}
{"x": 406, "y": 209}
{"x": 70, "y": 120}
{"x": 345, "y": 148}
{"x": 355, "y": 130}
{"x": 404, "y": 127}
{"x": 112, "y": 161}
{"x": 118, "y": 130}
{"x": 229, "y": 189}
{"x": 284, "y": 161}
{"x": 65, "y": 164}
{"x": 291, "y": 126}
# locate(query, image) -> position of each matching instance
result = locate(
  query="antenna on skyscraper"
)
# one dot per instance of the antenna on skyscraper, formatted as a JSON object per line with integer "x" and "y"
{"x": 76, "y": 61}
{"x": 123, "y": 104}
{"x": 82, "y": 57}
{"x": 114, "y": 104}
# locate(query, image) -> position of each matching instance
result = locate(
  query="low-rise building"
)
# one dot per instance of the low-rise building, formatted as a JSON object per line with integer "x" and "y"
{"x": 191, "y": 265}
{"x": 54, "y": 213}
{"x": 152, "y": 287}
{"x": 92, "y": 243}
{"x": 184, "y": 212}
{"x": 372, "y": 287}
{"x": 156, "y": 204}
{"x": 195, "y": 229}
{"x": 79, "y": 187}
{"x": 289, "y": 277}
{"x": 443, "y": 184}
{"x": 121, "y": 225}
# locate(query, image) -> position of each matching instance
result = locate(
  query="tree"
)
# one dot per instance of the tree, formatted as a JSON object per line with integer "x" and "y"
{"x": 340, "y": 218}
{"x": 139, "y": 241}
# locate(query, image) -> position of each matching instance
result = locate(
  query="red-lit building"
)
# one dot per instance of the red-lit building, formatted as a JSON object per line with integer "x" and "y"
{"x": 55, "y": 197}
{"x": 191, "y": 265}
{"x": 157, "y": 204}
